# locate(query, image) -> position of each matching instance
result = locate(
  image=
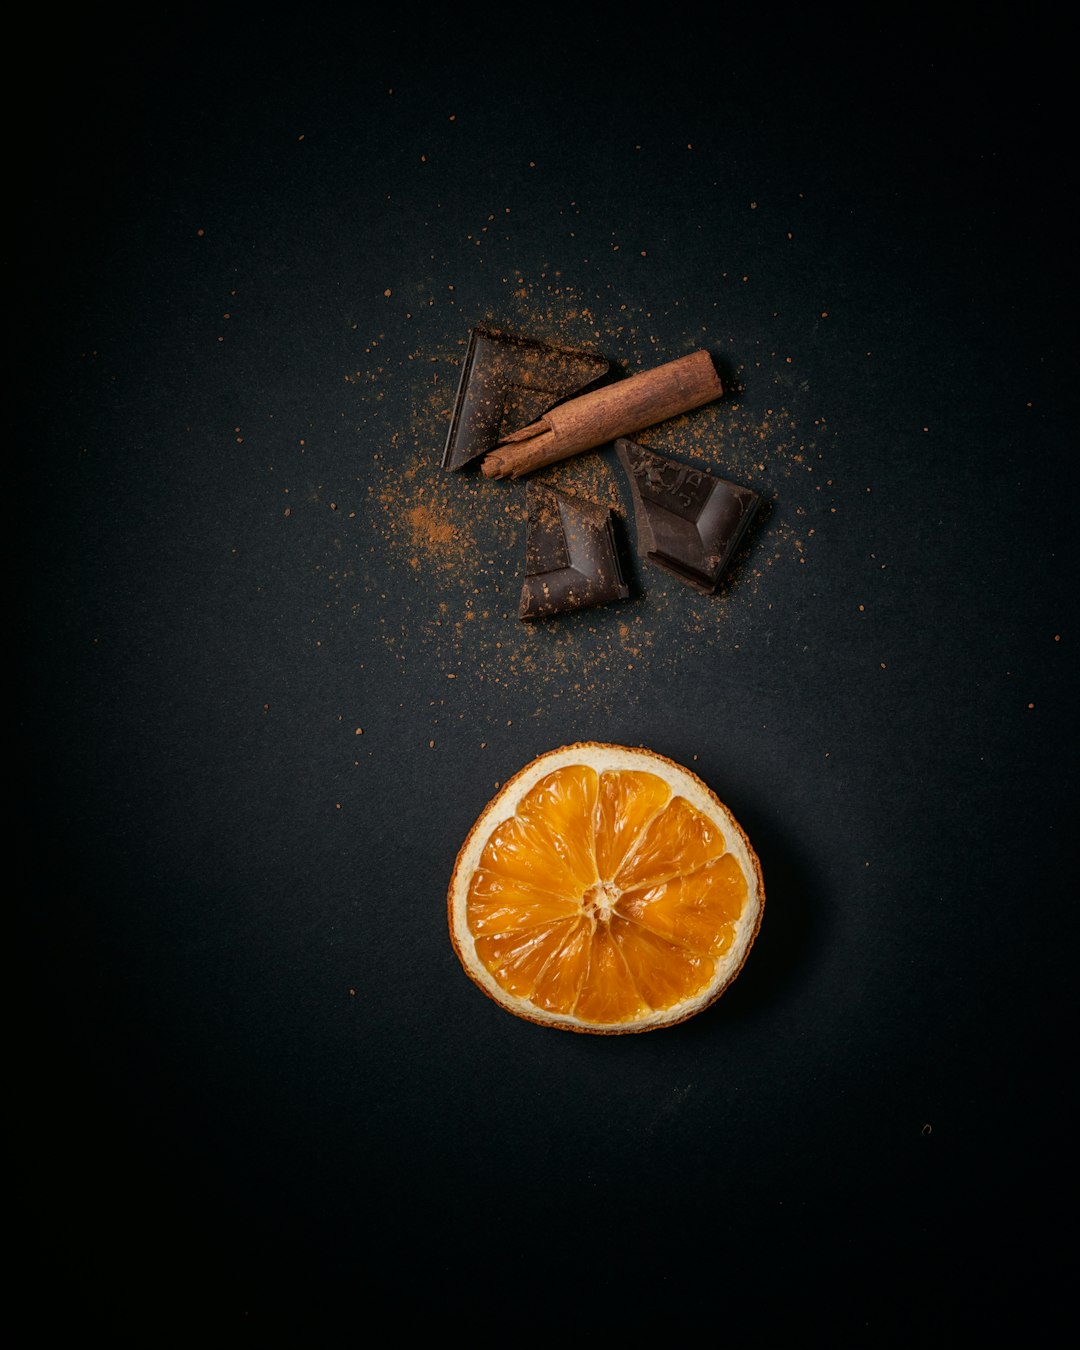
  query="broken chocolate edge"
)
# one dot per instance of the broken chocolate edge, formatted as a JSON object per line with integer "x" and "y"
{"x": 455, "y": 415}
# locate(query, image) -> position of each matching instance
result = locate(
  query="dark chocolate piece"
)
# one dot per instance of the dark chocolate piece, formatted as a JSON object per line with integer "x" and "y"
{"x": 688, "y": 521}
{"x": 571, "y": 561}
{"x": 506, "y": 383}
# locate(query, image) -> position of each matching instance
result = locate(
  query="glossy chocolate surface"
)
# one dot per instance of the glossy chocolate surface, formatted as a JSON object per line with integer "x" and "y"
{"x": 688, "y": 521}
{"x": 571, "y": 561}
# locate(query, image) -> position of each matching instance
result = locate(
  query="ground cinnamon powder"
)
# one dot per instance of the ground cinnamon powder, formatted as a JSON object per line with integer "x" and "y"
{"x": 461, "y": 538}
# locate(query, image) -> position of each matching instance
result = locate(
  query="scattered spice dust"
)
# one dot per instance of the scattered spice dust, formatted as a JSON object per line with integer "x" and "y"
{"x": 446, "y": 549}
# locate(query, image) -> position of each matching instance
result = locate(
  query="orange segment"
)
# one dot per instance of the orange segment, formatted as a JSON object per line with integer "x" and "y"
{"x": 697, "y": 912}
{"x": 524, "y": 849}
{"x": 663, "y": 972}
{"x": 516, "y": 959}
{"x": 626, "y": 802}
{"x": 566, "y": 802}
{"x": 608, "y": 993}
{"x": 500, "y": 904}
{"x": 560, "y": 981}
{"x": 678, "y": 840}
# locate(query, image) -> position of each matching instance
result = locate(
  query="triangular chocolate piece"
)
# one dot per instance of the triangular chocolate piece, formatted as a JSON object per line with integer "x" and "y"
{"x": 688, "y": 521}
{"x": 571, "y": 561}
{"x": 506, "y": 383}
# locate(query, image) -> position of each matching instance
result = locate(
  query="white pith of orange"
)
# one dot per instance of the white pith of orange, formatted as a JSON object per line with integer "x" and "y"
{"x": 599, "y": 906}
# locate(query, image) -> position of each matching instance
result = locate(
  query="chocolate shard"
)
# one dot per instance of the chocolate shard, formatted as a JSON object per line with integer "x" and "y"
{"x": 571, "y": 561}
{"x": 688, "y": 521}
{"x": 506, "y": 383}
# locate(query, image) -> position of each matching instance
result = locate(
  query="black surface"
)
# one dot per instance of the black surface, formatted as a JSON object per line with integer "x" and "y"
{"x": 254, "y": 1089}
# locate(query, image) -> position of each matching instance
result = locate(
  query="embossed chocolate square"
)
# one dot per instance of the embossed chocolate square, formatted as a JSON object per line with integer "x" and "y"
{"x": 571, "y": 561}
{"x": 507, "y": 382}
{"x": 689, "y": 522}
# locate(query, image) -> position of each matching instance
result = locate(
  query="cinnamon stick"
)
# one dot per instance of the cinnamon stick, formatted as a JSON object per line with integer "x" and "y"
{"x": 614, "y": 410}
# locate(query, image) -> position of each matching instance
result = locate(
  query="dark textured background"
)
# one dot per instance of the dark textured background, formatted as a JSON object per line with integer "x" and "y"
{"x": 257, "y": 1090}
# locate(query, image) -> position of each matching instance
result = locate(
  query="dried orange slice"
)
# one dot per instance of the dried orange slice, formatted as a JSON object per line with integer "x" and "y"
{"x": 605, "y": 889}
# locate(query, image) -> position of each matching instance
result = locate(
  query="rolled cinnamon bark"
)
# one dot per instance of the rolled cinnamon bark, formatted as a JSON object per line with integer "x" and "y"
{"x": 604, "y": 414}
